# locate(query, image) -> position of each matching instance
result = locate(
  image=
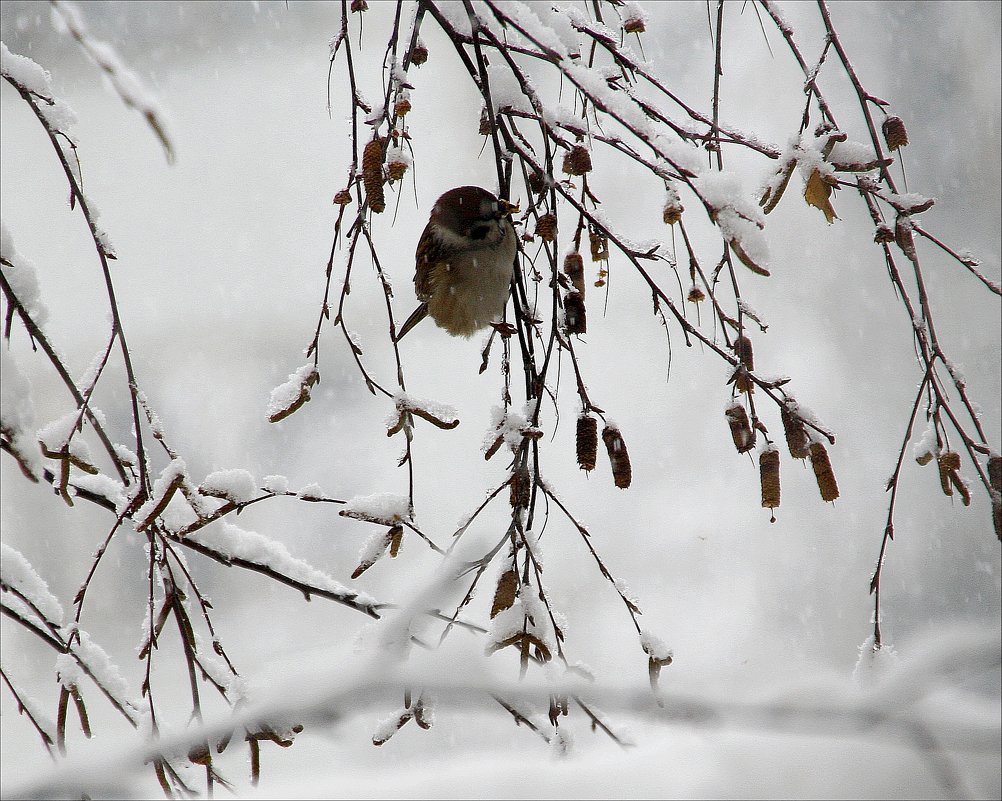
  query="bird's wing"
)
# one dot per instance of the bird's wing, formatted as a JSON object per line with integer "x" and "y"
{"x": 430, "y": 251}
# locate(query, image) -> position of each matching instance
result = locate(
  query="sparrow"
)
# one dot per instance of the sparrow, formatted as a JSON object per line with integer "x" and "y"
{"x": 464, "y": 262}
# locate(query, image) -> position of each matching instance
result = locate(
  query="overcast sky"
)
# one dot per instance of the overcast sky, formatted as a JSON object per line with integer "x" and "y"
{"x": 220, "y": 278}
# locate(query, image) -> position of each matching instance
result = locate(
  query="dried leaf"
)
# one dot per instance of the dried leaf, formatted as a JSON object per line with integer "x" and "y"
{"x": 771, "y": 196}
{"x": 504, "y": 595}
{"x": 818, "y": 192}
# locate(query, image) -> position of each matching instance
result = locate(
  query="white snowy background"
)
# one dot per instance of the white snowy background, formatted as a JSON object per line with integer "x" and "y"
{"x": 219, "y": 280}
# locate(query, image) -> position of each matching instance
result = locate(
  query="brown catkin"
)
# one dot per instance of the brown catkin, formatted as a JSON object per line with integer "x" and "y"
{"x": 419, "y": 55}
{"x": 634, "y": 24}
{"x": 743, "y": 350}
{"x": 619, "y": 458}
{"x": 372, "y": 174}
{"x": 577, "y": 160}
{"x": 587, "y": 441}
{"x": 768, "y": 466}
{"x": 520, "y": 488}
{"x": 599, "y": 245}
{"x": 395, "y": 170}
{"x": 962, "y": 488}
{"x": 995, "y": 482}
{"x": 342, "y": 198}
{"x": 904, "y": 237}
{"x": 546, "y": 227}
{"x": 504, "y": 595}
{"x": 823, "y": 472}
{"x": 894, "y": 133}
{"x": 402, "y": 106}
{"x": 741, "y": 431}
{"x": 796, "y": 435}
{"x": 537, "y": 182}
{"x": 995, "y": 472}
{"x": 396, "y": 537}
{"x": 574, "y": 269}
{"x": 949, "y": 462}
{"x": 883, "y": 234}
{"x": 574, "y": 313}
{"x": 485, "y": 122}
{"x": 672, "y": 212}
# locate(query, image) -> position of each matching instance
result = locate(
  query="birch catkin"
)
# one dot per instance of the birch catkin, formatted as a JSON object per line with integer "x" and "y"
{"x": 823, "y": 472}
{"x": 619, "y": 458}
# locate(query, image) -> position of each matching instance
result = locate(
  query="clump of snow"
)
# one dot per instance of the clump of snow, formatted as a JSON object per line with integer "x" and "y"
{"x": 383, "y": 507}
{"x": 526, "y": 18}
{"x": 87, "y": 653}
{"x": 17, "y": 413}
{"x": 738, "y": 216}
{"x": 909, "y": 201}
{"x": 850, "y": 152}
{"x": 125, "y": 454}
{"x": 371, "y": 551}
{"x": 21, "y": 276}
{"x": 285, "y": 396}
{"x": 68, "y": 671}
{"x": 58, "y": 436}
{"x": 279, "y": 485}
{"x": 654, "y": 646}
{"x": 26, "y": 73}
{"x": 163, "y": 487}
{"x": 432, "y": 411}
{"x": 873, "y": 662}
{"x": 104, "y": 486}
{"x": 925, "y": 447}
{"x": 387, "y": 727}
{"x": 212, "y": 664}
{"x": 311, "y": 492}
{"x": 399, "y": 154}
{"x": 19, "y": 575}
{"x": 233, "y": 485}
{"x": 237, "y": 543}
{"x": 509, "y": 426}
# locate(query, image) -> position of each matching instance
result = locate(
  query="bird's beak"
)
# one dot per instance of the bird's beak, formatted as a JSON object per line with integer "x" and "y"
{"x": 506, "y": 209}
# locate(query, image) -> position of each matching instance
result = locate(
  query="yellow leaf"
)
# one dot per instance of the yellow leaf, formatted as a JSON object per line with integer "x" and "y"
{"x": 817, "y": 193}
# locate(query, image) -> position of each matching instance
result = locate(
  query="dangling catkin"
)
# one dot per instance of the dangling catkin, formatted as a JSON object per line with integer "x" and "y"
{"x": 823, "y": 472}
{"x": 768, "y": 466}
{"x": 743, "y": 350}
{"x": 599, "y": 243}
{"x": 894, "y": 133}
{"x": 587, "y": 441}
{"x": 574, "y": 313}
{"x": 622, "y": 472}
{"x": 546, "y": 227}
{"x": 796, "y": 435}
{"x": 372, "y": 174}
{"x": 949, "y": 462}
{"x": 419, "y": 55}
{"x": 574, "y": 270}
{"x": 741, "y": 431}
{"x": 577, "y": 160}
{"x": 520, "y": 488}
{"x": 995, "y": 482}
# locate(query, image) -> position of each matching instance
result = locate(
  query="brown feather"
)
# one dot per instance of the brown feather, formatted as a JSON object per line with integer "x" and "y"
{"x": 430, "y": 251}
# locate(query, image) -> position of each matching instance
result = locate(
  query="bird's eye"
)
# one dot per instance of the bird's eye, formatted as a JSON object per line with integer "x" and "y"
{"x": 479, "y": 231}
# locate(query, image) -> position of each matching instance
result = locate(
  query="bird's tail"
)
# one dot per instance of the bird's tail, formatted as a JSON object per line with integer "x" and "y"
{"x": 416, "y": 317}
